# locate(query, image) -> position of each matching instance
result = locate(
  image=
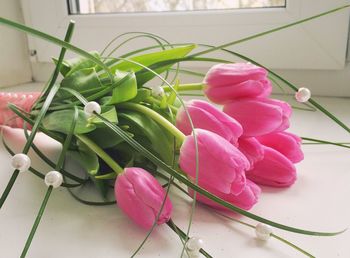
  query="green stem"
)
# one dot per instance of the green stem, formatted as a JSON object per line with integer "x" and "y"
{"x": 9, "y": 187}
{"x": 101, "y": 153}
{"x": 152, "y": 100}
{"x": 325, "y": 142}
{"x": 183, "y": 235}
{"x": 269, "y": 31}
{"x": 186, "y": 87}
{"x": 36, "y": 222}
{"x": 272, "y": 235}
{"x": 292, "y": 245}
{"x": 53, "y": 89}
{"x": 156, "y": 117}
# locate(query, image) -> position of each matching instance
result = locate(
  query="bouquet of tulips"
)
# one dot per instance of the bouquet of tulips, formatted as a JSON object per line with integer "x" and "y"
{"x": 131, "y": 132}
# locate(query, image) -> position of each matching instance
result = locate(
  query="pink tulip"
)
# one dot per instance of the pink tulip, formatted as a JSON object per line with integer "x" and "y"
{"x": 286, "y": 143}
{"x": 140, "y": 196}
{"x": 260, "y": 116}
{"x": 245, "y": 200}
{"x": 221, "y": 165}
{"x": 252, "y": 149}
{"x": 227, "y": 82}
{"x": 273, "y": 170}
{"x": 208, "y": 117}
{"x": 23, "y": 100}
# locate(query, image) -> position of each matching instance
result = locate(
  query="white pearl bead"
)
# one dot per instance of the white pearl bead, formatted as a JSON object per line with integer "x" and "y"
{"x": 263, "y": 231}
{"x": 21, "y": 162}
{"x": 157, "y": 91}
{"x": 92, "y": 107}
{"x": 23, "y": 96}
{"x": 303, "y": 95}
{"x": 54, "y": 179}
{"x": 30, "y": 96}
{"x": 193, "y": 245}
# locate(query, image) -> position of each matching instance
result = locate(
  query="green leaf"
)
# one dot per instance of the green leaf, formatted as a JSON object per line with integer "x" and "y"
{"x": 172, "y": 97}
{"x": 61, "y": 120}
{"x": 142, "y": 94}
{"x": 82, "y": 80}
{"x": 71, "y": 65}
{"x": 152, "y": 135}
{"x": 90, "y": 162}
{"x": 108, "y": 112}
{"x": 150, "y": 59}
{"x": 125, "y": 91}
{"x": 104, "y": 137}
{"x": 86, "y": 158}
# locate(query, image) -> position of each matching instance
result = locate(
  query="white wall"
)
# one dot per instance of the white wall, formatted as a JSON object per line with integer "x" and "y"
{"x": 14, "y": 59}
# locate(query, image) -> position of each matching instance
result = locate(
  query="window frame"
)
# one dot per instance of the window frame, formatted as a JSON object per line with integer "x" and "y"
{"x": 318, "y": 44}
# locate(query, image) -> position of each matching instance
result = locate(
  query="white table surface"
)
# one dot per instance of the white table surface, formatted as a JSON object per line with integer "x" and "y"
{"x": 319, "y": 200}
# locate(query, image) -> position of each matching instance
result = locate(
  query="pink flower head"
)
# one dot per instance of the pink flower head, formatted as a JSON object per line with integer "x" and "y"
{"x": 273, "y": 170}
{"x": 260, "y": 116}
{"x": 23, "y": 100}
{"x": 252, "y": 149}
{"x": 221, "y": 165}
{"x": 140, "y": 196}
{"x": 208, "y": 117}
{"x": 227, "y": 82}
{"x": 286, "y": 143}
{"x": 245, "y": 200}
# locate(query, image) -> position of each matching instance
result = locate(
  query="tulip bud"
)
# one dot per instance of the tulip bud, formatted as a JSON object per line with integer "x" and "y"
{"x": 286, "y": 143}
{"x": 273, "y": 170}
{"x": 252, "y": 149}
{"x": 227, "y": 82}
{"x": 140, "y": 196}
{"x": 208, "y": 117}
{"x": 260, "y": 116}
{"x": 221, "y": 164}
{"x": 245, "y": 200}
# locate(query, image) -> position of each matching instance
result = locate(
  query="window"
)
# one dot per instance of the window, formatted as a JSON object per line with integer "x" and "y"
{"x": 319, "y": 44}
{"x": 122, "y": 6}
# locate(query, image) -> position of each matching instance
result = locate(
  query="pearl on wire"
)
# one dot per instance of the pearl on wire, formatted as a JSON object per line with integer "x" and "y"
{"x": 92, "y": 107}
{"x": 193, "y": 245}
{"x": 303, "y": 95}
{"x": 21, "y": 162}
{"x": 54, "y": 179}
{"x": 157, "y": 91}
{"x": 263, "y": 231}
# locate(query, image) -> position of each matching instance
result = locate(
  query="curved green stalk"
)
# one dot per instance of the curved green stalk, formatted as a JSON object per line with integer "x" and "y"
{"x": 53, "y": 89}
{"x": 270, "y": 31}
{"x": 56, "y": 41}
{"x": 325, "y": 142}
{"x": 36, "y": 222}
{"x": 101, "y": 153}
{"x": 156, "y": 117}
{"x": 186, "y": 87}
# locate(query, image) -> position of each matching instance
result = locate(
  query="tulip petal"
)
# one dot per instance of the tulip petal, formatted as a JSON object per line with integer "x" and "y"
{"x": 208, "y": 117}
{"x": 259, "y": 116}
{"x": 273, "y": 170}
{"x": 220, "y": 163}
{"x": 141, "y": 196}
{"x": 252, "y": 149}
{"x": 245, "y": 200}
{"x": 286, "y": 143}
